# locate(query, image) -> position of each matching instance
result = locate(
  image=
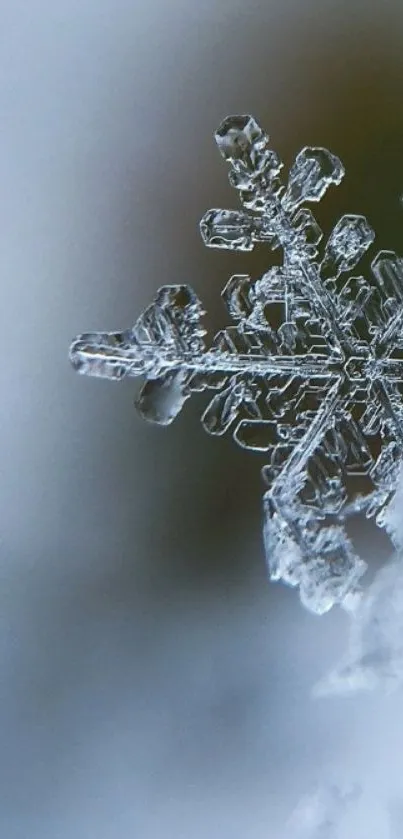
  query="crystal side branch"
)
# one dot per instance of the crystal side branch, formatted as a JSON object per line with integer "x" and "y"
{"x": 310, "y": 372}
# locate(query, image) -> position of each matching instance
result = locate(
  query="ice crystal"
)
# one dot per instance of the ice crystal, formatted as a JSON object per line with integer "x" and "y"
{"x": 310, "y": 372}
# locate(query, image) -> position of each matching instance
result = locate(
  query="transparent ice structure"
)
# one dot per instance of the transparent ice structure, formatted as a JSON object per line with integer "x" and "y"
{"x": 310, "y": 371}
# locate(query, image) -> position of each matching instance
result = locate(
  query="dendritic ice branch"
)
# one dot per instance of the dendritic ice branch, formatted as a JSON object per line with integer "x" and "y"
{"x": 310, "y": 372}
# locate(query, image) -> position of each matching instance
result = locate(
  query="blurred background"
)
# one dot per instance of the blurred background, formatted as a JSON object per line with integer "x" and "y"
{"x": 153, "y": 684}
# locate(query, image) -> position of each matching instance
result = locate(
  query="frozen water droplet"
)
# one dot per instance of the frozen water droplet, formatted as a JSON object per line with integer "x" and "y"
{"x": 160, "y": 400}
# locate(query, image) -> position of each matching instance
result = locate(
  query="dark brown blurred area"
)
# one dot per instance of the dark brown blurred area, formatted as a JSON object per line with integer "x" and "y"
{"x": 154, "y": 685}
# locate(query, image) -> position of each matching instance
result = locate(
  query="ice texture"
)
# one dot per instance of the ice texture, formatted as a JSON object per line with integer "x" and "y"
{"x": 310, "y": 372}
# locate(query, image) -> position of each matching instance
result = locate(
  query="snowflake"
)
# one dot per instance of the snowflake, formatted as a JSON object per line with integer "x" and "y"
{"x": 310, "y": 372}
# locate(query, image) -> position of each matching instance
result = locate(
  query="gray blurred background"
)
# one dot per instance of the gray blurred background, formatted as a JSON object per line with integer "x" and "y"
{"x": 153, "y": 684}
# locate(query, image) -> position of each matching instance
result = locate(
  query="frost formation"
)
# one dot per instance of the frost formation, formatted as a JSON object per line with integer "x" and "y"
{"x": 310, "y": 372}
